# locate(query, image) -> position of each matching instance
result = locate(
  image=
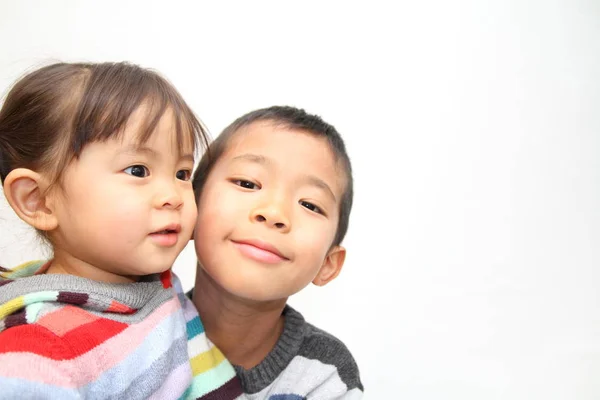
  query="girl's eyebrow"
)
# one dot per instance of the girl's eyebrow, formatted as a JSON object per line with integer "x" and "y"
{"x": 135, "y": 149}
{"x": 187, "y": 157}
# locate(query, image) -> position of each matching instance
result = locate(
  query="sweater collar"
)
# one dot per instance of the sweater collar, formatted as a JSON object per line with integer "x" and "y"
{"x": 287, "y": 347}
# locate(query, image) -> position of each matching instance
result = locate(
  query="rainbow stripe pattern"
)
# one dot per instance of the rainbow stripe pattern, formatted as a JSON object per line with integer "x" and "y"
{"x": 63, "y": 336}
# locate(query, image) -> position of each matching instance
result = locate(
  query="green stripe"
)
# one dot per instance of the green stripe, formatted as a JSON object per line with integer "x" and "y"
{"x": 31, "y": 312}
{"x": 39, "y": 297}
{"x": 210, "y": 380}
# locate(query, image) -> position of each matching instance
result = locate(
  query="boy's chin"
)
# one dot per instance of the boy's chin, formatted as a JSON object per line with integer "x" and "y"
{"x": 250, "y": 293}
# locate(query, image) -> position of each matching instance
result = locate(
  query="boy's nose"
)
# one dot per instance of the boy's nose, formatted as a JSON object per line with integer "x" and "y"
{"x": 273, "y": 216}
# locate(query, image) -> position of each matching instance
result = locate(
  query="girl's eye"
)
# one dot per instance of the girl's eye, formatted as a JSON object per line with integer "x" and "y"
{"x": 137, "y": 170}
{"x": 246, "y": 184}
{"x": 184, "y": 174}
{"x": 311, "y": 207}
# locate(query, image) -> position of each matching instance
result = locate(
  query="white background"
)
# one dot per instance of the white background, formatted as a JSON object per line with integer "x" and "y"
{"x": 474, "y": 131}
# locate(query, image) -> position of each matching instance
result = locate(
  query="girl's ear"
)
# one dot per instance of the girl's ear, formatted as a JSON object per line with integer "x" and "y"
{"x": 332, "y": 265}
{"x": 25, "y": 191}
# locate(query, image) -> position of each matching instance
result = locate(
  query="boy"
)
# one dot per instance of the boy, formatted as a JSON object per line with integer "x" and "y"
{"x": 274, "y": 194}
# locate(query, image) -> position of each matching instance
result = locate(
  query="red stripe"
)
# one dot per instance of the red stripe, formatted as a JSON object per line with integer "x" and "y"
{"x": 39, "y": 340}
{"x": 119, "y": 308}
{"x": 34, "y": 339}
{"x": 165, "y": 278}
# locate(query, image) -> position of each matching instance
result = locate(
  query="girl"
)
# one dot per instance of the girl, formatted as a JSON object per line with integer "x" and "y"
{"x": 98, "y": 159}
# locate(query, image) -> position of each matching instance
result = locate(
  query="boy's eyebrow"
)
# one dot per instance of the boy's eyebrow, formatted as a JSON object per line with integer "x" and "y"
{"x": 310, "y": 179}
{"x": 318, "y": 182}
{"x": 252, "y": 157}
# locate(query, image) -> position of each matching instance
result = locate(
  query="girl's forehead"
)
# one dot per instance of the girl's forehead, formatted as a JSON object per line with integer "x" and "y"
{"x": 169, "y": 130}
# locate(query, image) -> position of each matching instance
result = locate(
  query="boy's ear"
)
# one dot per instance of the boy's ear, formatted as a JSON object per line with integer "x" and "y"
{"x": 332, "y": 265}
{"x": 25, "y": 192}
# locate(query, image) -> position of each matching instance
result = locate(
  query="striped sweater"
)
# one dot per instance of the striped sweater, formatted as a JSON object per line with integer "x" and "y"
{"x": 66, "y": 337}
{"x": 306, "y": 363}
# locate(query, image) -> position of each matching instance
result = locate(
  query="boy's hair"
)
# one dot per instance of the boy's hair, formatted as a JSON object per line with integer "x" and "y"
{"x": 290, "y": 118}
{"x": 52, "y": 113}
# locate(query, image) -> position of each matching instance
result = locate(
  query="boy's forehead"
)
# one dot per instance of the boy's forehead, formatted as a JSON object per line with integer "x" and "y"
{"x": 261, "y": 134}
{"x": 250, "y": 132}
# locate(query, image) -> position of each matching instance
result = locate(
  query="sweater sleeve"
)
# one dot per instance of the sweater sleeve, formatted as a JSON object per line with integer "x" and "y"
{"x": 354, "y": 394}
{"x": 338, "y": 369}
{"x": 341, "y": 382}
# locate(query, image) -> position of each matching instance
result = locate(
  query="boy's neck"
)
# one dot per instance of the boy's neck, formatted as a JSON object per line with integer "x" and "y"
{"x": 244, "y": 331}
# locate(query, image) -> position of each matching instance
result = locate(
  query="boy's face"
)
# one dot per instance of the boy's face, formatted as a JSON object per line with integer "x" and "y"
{"x": 124, "y": 207}
{"x": 268, "y": 213}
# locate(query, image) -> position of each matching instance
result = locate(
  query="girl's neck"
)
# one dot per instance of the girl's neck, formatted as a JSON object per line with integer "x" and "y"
{"x": 65, "y": 263}
{"x": 244, "y": 331}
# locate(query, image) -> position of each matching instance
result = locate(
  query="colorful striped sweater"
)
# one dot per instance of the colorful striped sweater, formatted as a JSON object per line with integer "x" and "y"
{"x": 306, "y": 363}
{"x": 66, "y": 337}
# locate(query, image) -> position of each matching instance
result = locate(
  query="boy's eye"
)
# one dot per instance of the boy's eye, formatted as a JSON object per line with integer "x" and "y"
{"x": 311, "y": 207}
{"x": 184, "y": 174}
{"x": 137, "y": 170}
{"x": 246, "y": 184}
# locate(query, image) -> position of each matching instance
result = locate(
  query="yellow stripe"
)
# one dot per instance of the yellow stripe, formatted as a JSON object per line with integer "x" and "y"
{"x": 11, "y": 306}
{"x": 207, "y": 360}
{"x": 26, "y": 269}
{"x": 28, "y": 264}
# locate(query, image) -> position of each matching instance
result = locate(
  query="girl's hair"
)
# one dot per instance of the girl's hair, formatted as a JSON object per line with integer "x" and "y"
{"x": 51, "y": 114}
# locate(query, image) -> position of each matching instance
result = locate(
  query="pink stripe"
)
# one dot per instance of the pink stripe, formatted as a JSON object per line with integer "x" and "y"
{"x": 175, "y": 384}
{"x": 65, "y": 319}
{"x": 36, "y": 368}
{"x": 89, "y": 366}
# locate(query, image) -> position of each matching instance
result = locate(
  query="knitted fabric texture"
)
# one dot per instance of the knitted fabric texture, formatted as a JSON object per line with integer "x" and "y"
{"x": 67, "y": 337}
{"x": 306, "y": 363}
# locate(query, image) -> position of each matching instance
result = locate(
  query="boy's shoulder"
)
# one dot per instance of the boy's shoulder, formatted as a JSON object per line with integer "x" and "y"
{"x": 318, "y": 344}
{"x": 306, "y": 360}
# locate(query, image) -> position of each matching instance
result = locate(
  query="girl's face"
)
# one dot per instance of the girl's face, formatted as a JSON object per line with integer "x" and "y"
{"x": 126, "y": 208}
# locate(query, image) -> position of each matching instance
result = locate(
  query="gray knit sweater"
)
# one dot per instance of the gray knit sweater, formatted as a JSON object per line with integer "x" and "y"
{"x": 306, "y": 363}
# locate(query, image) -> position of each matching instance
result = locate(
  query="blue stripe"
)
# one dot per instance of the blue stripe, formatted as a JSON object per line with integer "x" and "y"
{"x": 194, "y": 327}
{"x": 286, "y": 397}
{"x": 16, "y": 388}
{"x": 157, "y": 342}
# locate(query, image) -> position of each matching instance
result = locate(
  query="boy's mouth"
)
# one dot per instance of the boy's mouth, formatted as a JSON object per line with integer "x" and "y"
{"x": 260, "y": 251}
